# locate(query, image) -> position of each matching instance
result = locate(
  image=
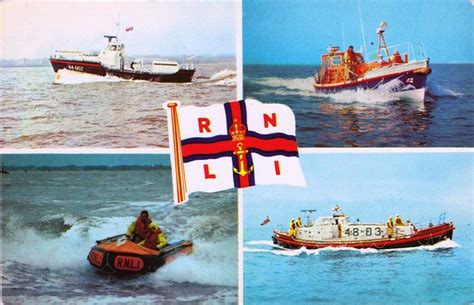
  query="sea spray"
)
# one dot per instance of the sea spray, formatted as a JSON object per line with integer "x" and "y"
{"x": 209, "y": 264}
{"x": 68, "y": 250}
{"x": 226, "y": 78}
{"x": 277, "y": 250}
{"x": 438, "y": 90}
{"x": 296, "y": 85}
{"x": 68, "y": 77}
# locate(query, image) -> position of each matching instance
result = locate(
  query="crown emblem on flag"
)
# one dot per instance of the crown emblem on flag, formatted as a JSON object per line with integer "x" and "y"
{"x": 237, "y": 131}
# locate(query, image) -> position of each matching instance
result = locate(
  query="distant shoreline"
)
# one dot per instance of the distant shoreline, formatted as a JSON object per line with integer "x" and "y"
{"x": 44, "y": 62}
{"x": 86, "y": 168}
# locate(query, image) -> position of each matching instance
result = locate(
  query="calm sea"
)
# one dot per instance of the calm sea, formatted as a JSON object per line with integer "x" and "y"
{"x": 369, "y": 119}
{"x": 51, "y": 219}
{"x": 89, "y": 111}
{"x": 439, "y": 274}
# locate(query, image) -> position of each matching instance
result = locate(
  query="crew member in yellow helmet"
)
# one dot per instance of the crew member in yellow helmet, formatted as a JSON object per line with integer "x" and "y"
{"x": 390, "y": 227}
{"x": 156, "y": 239}
{"x": 292, "y": 230}
{"x": 298, "y": 222}
{"x": 398, "y": 221}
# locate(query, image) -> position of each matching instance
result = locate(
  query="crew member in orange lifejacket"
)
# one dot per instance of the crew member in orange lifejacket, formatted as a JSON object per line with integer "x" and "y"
{"x": 140, "y": 229}
{"x": 156, "y": 239}
{"x": 397, "y": 58}
{"x": 350, "y": 61}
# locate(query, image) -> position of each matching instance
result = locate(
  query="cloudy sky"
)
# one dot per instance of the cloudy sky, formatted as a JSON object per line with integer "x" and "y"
{"x": 34, "y": 30}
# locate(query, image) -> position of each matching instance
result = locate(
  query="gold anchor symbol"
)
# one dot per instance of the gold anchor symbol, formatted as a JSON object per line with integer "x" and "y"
{"x": 240, "y": 154}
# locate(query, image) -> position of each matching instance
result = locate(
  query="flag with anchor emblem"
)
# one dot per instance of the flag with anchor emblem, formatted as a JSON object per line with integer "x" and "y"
{"x": 232, "y": 145}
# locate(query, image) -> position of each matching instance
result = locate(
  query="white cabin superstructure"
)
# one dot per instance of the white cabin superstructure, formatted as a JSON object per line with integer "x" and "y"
{"x": 338, "y": 231}
{"x": 112, "y": 56}
{"x": 339, "y": 228}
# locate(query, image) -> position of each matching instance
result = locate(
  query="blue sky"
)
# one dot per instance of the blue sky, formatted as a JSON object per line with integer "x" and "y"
{"x": 372, "y": 186}
{"x": 83, "y": 159}
{"x": 36, "y": 29}
{"x": 298, "y": 32}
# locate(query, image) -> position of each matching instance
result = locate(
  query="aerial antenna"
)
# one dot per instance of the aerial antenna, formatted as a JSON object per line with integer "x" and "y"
{"x": 362, "y": 28}
{"x": 118, "y": 24}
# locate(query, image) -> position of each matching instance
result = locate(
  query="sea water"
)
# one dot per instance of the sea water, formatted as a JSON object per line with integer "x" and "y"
{"x": 81, "y": 110}
{"x": 439, "y": 274}
{"x": 371, "y": 118}
{"x": 51, "y": 219}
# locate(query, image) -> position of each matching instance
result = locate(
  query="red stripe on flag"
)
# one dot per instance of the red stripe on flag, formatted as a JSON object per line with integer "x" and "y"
{"x": 237, "y": 118}
{"x": 271, "y": 144}
{"x": 236, "y": 112}
{"x": 267, "y": 145}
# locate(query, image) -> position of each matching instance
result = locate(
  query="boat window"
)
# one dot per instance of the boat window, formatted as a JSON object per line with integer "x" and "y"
{"x": 336, "y": 60}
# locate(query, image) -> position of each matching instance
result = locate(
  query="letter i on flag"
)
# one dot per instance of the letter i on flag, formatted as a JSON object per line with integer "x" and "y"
{"x": 232, "y": 145}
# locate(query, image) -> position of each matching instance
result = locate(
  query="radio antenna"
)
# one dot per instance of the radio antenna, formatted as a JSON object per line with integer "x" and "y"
{"x": 362, "y": 28}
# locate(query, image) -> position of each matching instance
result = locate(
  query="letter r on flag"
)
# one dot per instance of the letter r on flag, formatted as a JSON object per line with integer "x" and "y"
{"x": 233, "y": 145}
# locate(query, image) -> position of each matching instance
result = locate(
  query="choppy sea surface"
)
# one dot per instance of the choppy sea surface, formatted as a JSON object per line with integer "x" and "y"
{"x": 438, "y": 274}
{"x": 51, "y": 219}
{"x": 81, "y": 110}
{"x": 371, "y": 118}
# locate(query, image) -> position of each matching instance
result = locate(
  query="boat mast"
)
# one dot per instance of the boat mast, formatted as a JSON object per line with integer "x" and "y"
{"x": 117, "y": 24}
{"x": 382, "y": 44}
{"x": 308, "y": 214}
{"x": 362, "y": 29}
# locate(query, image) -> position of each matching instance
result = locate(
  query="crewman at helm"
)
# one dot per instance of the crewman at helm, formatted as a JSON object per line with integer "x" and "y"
{"x": 156, "y": 239}
{"x": 140, "y": 228}
{"x": 298, "y": 222}
{"x": 398, "y": 221}
{"x": 350, "y": 61}
{"x": 292, "y": 230}
{"x": 397, "y": 58}
{"x": 390, "y": 227}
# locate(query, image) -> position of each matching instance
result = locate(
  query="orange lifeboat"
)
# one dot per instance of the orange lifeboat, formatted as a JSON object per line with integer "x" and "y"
{"x": 117, "y": 254}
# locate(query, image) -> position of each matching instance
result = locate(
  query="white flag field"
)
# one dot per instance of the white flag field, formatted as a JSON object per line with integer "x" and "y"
{"x": 232, "y": 145}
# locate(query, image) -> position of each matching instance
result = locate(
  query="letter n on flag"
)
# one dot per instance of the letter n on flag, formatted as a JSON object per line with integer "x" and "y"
{"x": 232, "y": 145}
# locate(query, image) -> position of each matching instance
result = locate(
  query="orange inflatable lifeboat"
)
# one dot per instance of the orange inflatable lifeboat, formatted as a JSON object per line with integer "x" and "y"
{"x": 117, "y": 254}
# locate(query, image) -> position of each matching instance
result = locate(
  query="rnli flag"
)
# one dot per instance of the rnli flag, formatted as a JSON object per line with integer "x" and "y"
{"x": 130, "y": 28}
{"x": 232, "y": 145}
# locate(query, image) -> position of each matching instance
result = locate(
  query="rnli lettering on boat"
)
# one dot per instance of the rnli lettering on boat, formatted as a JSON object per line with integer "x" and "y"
{"x": 96, "y": 257}
{"x": 128, "y": 263}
